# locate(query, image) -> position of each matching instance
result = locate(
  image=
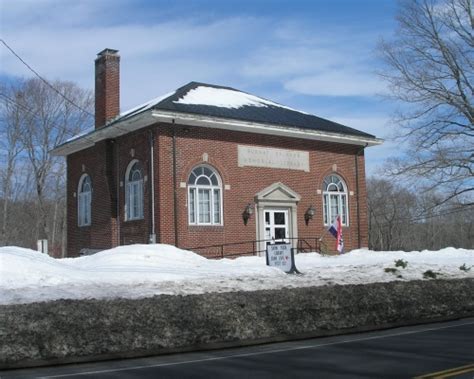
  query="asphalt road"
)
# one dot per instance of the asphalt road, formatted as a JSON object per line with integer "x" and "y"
{"x": 443, "y": 350}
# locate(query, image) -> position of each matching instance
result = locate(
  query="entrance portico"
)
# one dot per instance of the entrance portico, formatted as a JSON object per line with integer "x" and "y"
{"x": 276, "y": 214}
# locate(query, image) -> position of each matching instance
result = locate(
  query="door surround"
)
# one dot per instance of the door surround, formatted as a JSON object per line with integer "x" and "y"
{"x": 276, "y": 196}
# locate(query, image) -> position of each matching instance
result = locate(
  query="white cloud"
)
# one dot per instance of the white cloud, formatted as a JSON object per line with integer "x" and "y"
{"x": 378, "y": 125}
{"x": 381, "y": 127}
{"x": 376, "y": 156}
{"x": 332, "y": 61}
{"x": 271, "y": 62}
{"x": 61, "y": 39}
{"x": 337, "y": 82}
{"x": 155, "y": 58}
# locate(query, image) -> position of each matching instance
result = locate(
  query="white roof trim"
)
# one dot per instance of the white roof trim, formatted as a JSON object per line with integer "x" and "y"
{"x": 254, "y": 127}
{"x": 151, "y": 116}
{"x": 113, "y": 130}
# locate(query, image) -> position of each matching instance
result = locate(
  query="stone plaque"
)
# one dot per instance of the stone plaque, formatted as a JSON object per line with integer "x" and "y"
{"x": 273, "y": 158}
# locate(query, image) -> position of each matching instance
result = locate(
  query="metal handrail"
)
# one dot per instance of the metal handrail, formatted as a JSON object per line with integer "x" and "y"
{"x": 220, "y": 249}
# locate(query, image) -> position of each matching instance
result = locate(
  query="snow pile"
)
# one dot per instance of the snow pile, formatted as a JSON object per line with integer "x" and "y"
{"x": 226, "y": 98}
{"x": 145, "y": 270}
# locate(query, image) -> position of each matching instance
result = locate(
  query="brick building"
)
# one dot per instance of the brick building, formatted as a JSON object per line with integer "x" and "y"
{"x": 210, "y": 165}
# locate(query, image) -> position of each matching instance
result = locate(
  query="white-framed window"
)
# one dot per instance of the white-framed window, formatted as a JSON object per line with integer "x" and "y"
{"x": 134, "y": 191}
{"x": 335, "y": 200}
{"x": 84, "y": 199}
{"x": 204, "y": 196}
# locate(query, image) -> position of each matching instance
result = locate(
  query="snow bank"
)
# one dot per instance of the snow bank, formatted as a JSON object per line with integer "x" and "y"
{"x": 138, "y": 271}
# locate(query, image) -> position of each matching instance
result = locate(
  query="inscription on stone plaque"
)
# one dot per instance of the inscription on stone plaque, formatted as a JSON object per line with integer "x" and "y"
{"x": 273, "y": 158}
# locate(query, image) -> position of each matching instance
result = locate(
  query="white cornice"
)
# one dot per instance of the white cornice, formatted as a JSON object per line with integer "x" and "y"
{"x": 260, "y": 128}
{"x": 150, "y": 117}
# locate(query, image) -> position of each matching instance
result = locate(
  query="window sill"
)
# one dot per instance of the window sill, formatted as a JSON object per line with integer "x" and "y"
{"x": 134, "y": 219}
{"x": 206, "y": 227}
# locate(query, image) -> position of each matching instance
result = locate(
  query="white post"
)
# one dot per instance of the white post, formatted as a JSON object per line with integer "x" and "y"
{"x": 42, "y": 246}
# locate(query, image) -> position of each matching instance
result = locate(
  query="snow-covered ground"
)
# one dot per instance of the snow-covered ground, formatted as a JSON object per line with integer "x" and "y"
{"x": 145, "y": 270}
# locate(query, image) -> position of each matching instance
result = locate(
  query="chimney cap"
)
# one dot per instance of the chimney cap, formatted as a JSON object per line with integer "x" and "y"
{"x": 107, "y": 51}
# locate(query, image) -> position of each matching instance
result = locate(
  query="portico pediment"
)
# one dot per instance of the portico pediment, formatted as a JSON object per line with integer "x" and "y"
{"x": 277, "y": 192}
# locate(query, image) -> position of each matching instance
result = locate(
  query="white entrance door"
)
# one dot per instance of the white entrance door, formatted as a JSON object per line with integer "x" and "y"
{"x": 276, "y": 225}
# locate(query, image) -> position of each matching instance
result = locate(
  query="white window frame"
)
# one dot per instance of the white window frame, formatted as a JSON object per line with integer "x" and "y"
{"x": 341, "y": 200}
{"x": 134, "y": 194}
{"x": 84, "y": 201}
{"x": 195, "y": 197}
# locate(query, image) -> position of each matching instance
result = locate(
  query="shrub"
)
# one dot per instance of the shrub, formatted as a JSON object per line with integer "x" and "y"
{"x": 401, "y": 263}
{"x": 429, "y": 274}
{"x": 465, "y": 268}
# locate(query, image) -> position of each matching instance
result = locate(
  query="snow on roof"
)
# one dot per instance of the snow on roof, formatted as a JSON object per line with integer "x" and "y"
{"x": 81, "y": 134}
{"x": 130, "y": 112}
{"x": 225, "y": 98}
{"x": 137, "y": 271}
{"x": 226, "y": 103}
{"x": 201, "y": 95}
{"x": 145, "y": 106}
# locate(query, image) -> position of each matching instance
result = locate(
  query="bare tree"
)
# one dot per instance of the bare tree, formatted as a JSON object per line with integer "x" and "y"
{"x": 10, "y": 147}
{"x": 399, "y": 220}
{"x": 430, "y": 69}
{"x": 391, "y": 209}
{"x": 45, "y": 119}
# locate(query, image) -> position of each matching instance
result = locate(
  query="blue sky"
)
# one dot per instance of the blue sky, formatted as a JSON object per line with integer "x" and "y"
{"x": 317, "y": 56}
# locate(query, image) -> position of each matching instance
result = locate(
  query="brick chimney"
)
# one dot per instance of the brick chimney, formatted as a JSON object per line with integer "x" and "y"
{"x": 107, "y": 86}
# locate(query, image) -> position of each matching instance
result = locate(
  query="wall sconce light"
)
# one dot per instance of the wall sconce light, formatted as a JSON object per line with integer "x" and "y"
{"x": 248, "y": 211}
{"x": 310, "y": 212}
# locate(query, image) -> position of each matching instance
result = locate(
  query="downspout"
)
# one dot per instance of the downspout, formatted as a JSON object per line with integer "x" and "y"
{"x": 356, "y": 158}
{"x": 117, "y": 204}
{"x": 175, "y": 192}
{"x": 152, "y": 238}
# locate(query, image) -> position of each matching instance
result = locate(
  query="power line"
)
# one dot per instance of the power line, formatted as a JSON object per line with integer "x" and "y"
{"x": 447, "y": 212}
{"x": 53, "y": 88}
{"x": 44, "y": 80}
{"x": 35, "y": 115}
{"x": 60, "y": 128}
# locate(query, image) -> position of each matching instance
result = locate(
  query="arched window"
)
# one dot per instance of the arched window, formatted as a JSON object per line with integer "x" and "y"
{"x": 134, "y": 191}
{"x": 84, "y": 199}
{"x": 335, "y": 200}
{"x": 204, "y": 196}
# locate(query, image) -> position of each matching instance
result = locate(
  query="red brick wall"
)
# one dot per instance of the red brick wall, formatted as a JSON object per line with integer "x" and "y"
{"x": 101, "y": 234}
{"x": 108, "y": 227}
{"x": 134, "y": 146}
{"x": 245, "y": 183}
{"x": 107, "y": 87}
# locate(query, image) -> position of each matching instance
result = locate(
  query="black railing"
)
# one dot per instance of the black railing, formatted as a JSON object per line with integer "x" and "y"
{"x": 249, "y": 248}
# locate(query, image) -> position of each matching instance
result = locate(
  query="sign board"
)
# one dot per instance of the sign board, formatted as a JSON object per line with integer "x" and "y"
{"x": 281, "y": 256}
{"x": 273, "y": 158}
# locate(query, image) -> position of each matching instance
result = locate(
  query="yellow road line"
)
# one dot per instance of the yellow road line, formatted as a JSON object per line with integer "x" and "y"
{"x": 448, "y": 373}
